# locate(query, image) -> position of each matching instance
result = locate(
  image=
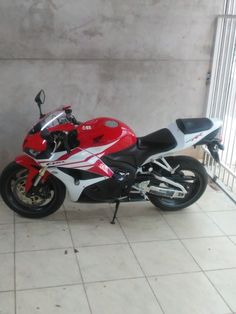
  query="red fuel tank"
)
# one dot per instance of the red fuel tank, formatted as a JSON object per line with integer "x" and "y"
{"x": 103, "y": 136}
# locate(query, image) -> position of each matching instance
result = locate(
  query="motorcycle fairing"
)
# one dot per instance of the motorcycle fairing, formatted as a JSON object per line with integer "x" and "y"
{"x": 78, "y": 159}
{"x": 103, "y": 131}
{"x": 98, "y": 158}
{"x": 187, "y": 140}
{"x": 163, "y": 143}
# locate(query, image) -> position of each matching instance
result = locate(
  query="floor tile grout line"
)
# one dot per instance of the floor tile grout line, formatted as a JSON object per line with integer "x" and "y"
{"x": 226, "y": 235}
{"x": 77, "y": 262}
{"x": 181, "y": 241}
{"x": 218, "y": 292}
{"x": 202, "y": 270}
{"x": 33, "y": 221}
{"x": 6, "y": 291}
{"x": 60, "y": 219}
{"x": 97, "y": 282}
{"x": 7, "y": 223}
{"x": 146, "y": 278}
{"x": 78, "y": 284}
{"x": 103, "y": 60}
{"x": 112, "y": 244}
{"x": 173, "y": 239}
{"x": 14, "y": 241}
{"x": 66, "y": 247}
{"x": 118, "y": 279}
{"x": 219, "y": 211}
{"x": 199, "y": 206}
{"x": 50, "y": 287}
{"x": 45, "y": 250}
{"x": 122, "y": 279}
{"x": 108, "y": 217}
{"x": 217, "y": 269}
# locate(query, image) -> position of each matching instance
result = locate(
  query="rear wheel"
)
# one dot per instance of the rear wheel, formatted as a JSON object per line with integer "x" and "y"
{"x": 45, "y": 199}
{"x": 191, "y": 174}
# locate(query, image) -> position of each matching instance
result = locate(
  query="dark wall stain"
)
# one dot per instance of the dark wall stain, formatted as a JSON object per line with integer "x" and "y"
{"x": 92, "y": 32}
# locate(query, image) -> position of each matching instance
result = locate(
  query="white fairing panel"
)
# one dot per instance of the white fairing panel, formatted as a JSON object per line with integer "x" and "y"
{"x": 74, "y": 189}
{"x": 185, "y": 140}
{"x": 80, "y": 159}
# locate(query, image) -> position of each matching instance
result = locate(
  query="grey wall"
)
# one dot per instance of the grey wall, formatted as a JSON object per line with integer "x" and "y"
{"x": 142, "y": 61}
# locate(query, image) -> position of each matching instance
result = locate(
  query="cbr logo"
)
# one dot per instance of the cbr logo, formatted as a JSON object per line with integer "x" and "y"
{"x": 55, "y": 163}
{"x": 194, "y": 138}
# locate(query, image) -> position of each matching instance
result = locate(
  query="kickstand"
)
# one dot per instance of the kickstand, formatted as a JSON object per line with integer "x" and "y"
{"x": 115, "y": 213}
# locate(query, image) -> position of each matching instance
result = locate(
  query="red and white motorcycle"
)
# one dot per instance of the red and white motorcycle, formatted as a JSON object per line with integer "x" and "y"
{"x": 102, "y": 160}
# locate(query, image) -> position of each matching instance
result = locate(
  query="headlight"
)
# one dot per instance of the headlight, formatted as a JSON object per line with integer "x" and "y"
{"x": 33, "y": 152}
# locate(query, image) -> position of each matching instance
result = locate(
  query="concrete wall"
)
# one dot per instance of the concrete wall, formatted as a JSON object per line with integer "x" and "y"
{"x": 142, "y": 61}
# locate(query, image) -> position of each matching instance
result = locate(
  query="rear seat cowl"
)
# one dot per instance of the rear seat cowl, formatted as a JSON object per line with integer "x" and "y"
{"x": 193, "y": 125}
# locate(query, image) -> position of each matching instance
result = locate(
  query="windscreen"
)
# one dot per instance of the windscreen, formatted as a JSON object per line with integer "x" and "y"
{"x": 50, "y": 120}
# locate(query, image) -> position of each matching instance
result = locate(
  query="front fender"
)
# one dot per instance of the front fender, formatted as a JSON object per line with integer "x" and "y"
{"x": 26, "y": 161}
{"x": 33, "y": 167}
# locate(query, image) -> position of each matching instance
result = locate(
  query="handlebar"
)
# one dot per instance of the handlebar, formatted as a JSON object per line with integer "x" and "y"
{"x": 71, "y": 117}
{"x": 56, "y": 138}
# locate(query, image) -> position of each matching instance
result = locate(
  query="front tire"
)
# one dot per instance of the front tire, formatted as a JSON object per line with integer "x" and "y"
{"x": 195, "y": 186}
{"x": 48, "y": 197}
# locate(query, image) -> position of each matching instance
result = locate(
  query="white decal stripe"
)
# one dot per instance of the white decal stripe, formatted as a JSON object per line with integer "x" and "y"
{"x": 100, "y": 149}
{"x": 75, "y": 166}
{"x": 83, "y": 157}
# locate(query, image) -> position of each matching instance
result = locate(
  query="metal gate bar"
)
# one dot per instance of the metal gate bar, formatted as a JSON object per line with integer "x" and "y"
{"x": 222, "y": 100}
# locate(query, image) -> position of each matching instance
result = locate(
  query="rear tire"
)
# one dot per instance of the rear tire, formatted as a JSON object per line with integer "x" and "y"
{"x": 12, "y": 184}
{"x": 195, "y": 190}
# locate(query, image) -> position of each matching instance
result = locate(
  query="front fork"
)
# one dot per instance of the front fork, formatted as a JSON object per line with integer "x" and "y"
{"x": 42, "y": 175}
{"x": 35, "y": 172}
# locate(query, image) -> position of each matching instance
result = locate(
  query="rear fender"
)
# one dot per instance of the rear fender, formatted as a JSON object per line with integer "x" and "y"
{"x": 33, "y": 170}
{"x": 213, "y": 144}
{"x": 213, "y": 148}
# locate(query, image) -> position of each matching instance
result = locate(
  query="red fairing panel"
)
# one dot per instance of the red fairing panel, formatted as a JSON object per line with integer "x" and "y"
{"x": 37, "y": 143}
{"x": 97, "y": 138}
{"x": 29, "y": 163}
{"x": 108, "y": 132}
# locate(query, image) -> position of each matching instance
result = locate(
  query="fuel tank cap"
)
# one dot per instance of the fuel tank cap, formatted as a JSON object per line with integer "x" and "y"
{"x": 111, "y": 123}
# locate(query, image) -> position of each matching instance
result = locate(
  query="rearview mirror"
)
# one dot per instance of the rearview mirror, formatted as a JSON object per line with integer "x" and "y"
{"x": 40, "y": 97}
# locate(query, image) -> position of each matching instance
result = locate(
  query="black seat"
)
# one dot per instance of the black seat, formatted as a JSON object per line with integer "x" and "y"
{"x": 151, "y": 144}
{"x": 161, "y": 140}
{"x": 188, "y": 126}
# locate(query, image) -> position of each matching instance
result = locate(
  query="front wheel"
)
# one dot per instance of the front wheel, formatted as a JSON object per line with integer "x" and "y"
{"x": 45, "y": 199}
{"x": 191, "y": 174}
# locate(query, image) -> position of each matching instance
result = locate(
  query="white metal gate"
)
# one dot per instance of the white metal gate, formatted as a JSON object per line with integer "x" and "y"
{"x": 222, "y": 102}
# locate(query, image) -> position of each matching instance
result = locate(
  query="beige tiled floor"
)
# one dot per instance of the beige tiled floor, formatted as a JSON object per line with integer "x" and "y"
{"x": 149, "y": 262}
